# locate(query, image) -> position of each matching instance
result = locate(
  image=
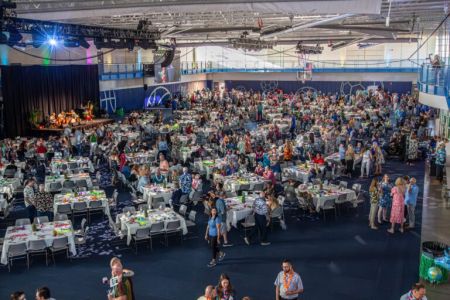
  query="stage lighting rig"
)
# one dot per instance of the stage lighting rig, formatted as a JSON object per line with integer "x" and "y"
{"x": 303, "y": 49}
{"x": 250, "y": 44}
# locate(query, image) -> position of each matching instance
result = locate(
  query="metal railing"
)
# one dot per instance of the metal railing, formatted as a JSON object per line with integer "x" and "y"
{"x": 292, "y": 65}
{"x": 434, "y": 79}
{"x": 127, "y": 71}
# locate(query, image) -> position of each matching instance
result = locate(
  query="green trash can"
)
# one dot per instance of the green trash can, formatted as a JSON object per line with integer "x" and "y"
{"x": 430, "y": 251}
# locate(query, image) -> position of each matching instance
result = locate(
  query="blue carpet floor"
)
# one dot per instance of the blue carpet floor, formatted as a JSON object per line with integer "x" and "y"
{"x": 340, "y": 259}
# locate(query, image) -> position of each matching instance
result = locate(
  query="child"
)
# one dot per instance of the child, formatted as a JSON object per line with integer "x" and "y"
{"x": 374, "y": 198}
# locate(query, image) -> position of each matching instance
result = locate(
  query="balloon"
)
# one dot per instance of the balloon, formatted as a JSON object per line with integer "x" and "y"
{"x": 434, "y": 274}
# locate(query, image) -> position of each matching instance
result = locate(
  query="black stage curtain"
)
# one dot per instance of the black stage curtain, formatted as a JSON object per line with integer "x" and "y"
{"x": 46, "y": 89}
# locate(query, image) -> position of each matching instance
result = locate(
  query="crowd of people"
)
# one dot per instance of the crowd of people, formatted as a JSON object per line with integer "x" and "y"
{"x": 250, "y": 132}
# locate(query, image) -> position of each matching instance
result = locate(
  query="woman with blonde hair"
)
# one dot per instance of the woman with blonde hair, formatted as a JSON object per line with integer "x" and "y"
{"x": 398, "y": 204}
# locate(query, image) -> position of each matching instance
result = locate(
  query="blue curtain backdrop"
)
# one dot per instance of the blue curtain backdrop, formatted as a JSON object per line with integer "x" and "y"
{"x": 133, "y": 98}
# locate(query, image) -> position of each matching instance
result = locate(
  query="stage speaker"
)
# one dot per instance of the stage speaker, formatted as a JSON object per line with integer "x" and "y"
{"x": 145, "y": 87}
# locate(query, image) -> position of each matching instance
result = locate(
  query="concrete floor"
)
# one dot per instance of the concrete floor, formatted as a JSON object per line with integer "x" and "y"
{"x": 435, "y": 227}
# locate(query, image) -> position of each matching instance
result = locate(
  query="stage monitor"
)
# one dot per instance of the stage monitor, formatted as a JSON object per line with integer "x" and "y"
{"x": 149, "y": 70}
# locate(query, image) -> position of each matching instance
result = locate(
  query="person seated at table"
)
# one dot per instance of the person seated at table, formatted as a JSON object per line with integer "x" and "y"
{"x": 122, "y": 160}
{"x": 158, "y": 178}
{"x": 288, "y": 150}
{"x": 312, "y": 173}
{"x": 189, "y": 129}
{"x": 163, "y": 148}
{"x": 176, "y": 195}
{"x": 143, "y": 179}
{"x": 11, "y": 166}
{"x": 318, "y": 159}
{"x": 41, "y": 149}
{"x": 163, "y": 164}
{"x": 259, "y": 170}
{"x": 126, "y": 171}
{"x": 197, "y": 184}
{"x": 259, "y": 154}
{"x": 269, "y": 175}
{"x": 134, "y": 174}
{"x": 44, "y": 203}
{"x": 185, "y": 181}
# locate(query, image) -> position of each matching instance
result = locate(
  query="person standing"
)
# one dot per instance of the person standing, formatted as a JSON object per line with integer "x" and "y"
{"x": 374, "y": 199}
{"x": 412, "y": 192}
{"x": 43, "y": 293}
{"x": 185, "y": 182}
{"x": 28, "y": 193}
{"x": 44, "y": 203}
{"x": 385, "y": 199}
{"x": 261, "y": 211}
{"x": 398, "y": 205}
{"x": 222, "y": 213}
{"x": 212, "y": 235}
{"x": 288, "y": 284}
{"x": 19, "y": 295}
{"x": 121, "y": 284}
{"x": 366, "y": 160}
{"x": 224, "y": 289}
{"x": 441, "y": 157}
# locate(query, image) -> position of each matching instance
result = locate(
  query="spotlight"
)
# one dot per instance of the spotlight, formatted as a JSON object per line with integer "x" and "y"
{"x": 52, "y": 42}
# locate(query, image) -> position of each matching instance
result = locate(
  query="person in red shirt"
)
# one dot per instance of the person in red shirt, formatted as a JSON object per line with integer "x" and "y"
{"x": 41, "y": 149}
{"x": 269, "y": 175}
{"x": 318, "y": 159}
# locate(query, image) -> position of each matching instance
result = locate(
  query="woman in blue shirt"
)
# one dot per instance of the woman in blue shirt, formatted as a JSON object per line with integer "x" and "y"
{"x": 212, "y": 235}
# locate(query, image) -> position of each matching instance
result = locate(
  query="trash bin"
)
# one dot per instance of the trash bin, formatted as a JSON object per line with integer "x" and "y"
{"x": 430, "y": 251}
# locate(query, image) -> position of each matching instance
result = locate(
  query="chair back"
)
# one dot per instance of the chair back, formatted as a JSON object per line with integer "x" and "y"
{"x": 21, "y": 222}
{"x": 55, "y": 186}
{"x": 63, "y": 208}
{"x": 207, "y": 208}
{"x": 9, "y": 173}
{"x": 68, "y": 184}
{"x": 173, "y": 225}
{"x": 356, "y": 187}
{"x": 95, "y": 204}
{"x": 73, "y": 165}
{"x": 343, "y": 184}
{"x": 142, "y": 232}
{"x": 83, "y": 224}
{"x": 250, "y": 219}
{"x": 192, "y": 215}
{"x": 329, "y": 204}
{"x": 60, "y": 243}
{"x": 82, "y": 183}
{"x": 258, "y": 186}
{"x": 277, "y": 212}
{"x": 79, "y": 206}
{"x": 183, "y": 209}
{"x": 61, "y": 217}
{"x": 18, "y": 249}
{"x": 41, "y": 219}
{"x": 157, "y": 227}
{"x": 129, "y": 209}
{"x": 143, "y": 207}
{"x": 244, "y": 187}
{"x": 36, "y": 245}
{"x": 157, "y": 202}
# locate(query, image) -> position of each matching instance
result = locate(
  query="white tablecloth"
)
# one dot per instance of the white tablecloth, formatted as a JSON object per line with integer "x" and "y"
{"x": 83, "y": 163}
{"x": 151, "y": 192}
{"x": 154, "y": 216}
{"x": 319, "y": 200}
{"x": 8, "y": 185}
{"x": 65, "y": 199}
{"x": 61, "y": 179}
{"x": 25, "y": 234}
{"x": 237, "y": 211}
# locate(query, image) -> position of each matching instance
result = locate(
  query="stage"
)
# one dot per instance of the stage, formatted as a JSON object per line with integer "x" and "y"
{"x": 83, "y": 125}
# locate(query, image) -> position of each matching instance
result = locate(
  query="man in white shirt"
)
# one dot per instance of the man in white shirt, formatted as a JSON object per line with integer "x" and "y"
{"x": 288, "y": 284}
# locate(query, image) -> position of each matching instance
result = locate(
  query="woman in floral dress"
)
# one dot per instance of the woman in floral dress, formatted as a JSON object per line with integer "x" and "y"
{"x": 385, "y": 199}
{"x": 398, "y": 204}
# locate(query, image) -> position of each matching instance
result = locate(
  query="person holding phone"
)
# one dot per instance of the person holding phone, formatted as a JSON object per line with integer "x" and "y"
{"x": 120, "y": 284}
